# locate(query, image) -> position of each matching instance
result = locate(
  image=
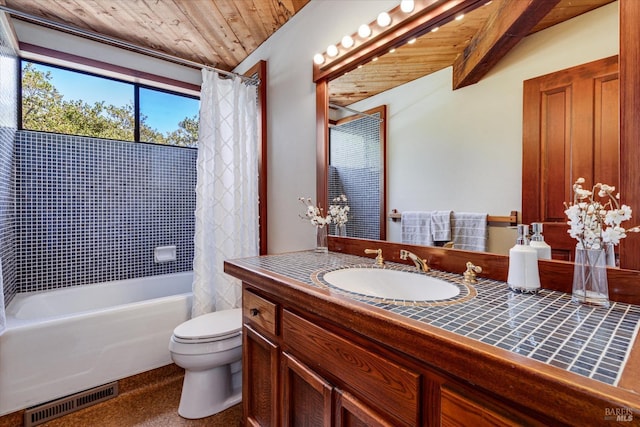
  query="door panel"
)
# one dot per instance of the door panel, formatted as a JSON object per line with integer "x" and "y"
{"x": 307, "y": 396}
{"x": 570, "y": 130}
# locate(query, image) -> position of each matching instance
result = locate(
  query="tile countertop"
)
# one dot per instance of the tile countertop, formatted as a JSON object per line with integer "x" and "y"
{"x": 548, "y": 327}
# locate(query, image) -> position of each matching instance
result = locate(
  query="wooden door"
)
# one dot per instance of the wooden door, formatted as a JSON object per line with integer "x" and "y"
{"x": 570, "y": 130}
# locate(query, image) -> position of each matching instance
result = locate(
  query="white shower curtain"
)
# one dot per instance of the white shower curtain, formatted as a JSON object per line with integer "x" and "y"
{"x": 226, "y": 223}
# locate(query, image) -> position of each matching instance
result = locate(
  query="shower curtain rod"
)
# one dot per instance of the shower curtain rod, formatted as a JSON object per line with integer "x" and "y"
{"x": 123, "y": 44}
{"x": 351, "y": 110}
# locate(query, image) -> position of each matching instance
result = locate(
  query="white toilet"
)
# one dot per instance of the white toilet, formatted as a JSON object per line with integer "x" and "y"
{"x": 209, "y": 348}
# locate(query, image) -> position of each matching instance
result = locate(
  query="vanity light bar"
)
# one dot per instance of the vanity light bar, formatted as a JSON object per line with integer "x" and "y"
{"x": 365, "y": 31}
{"x": 384, "y": 26}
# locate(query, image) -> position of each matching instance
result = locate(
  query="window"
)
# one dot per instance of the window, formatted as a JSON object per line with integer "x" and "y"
{"x": 61, "y": 100}
{"x": 168, "y": 118}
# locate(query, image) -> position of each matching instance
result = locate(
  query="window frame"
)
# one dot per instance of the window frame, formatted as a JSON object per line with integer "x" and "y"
{"x": 136, "y": 94}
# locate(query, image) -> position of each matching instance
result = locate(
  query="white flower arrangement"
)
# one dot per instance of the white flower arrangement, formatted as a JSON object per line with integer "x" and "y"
{"x": 338, "y": 213}
{"x": 314, "y": 213}
{"x": 595, "y": 223}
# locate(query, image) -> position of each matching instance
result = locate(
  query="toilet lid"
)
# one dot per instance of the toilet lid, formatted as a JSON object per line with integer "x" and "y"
{"x": 218, "y": 325}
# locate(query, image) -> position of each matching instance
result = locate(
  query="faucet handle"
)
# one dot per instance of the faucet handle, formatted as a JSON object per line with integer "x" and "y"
{"x": 470, "y": 273}
{"x": 378, "y": 252}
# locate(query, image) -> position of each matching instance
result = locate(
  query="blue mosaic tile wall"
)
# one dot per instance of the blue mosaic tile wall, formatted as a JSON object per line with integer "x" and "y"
{"x": 8, "y": 125}
{"x": 92, "y": 210}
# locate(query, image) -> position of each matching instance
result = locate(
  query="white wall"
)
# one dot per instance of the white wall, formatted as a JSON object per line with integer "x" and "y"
{"x": 447, "y": 149}
{"x": 292, "y": 111}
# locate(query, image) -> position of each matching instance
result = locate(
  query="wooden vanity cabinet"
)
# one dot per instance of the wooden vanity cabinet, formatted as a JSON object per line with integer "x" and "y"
{"x": 300, "y": 370}
{"x": 296, "y": 373}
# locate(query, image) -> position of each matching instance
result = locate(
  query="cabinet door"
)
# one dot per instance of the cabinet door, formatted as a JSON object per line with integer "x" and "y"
{"x": 260, "y": 361}
{"x": 350, "y": 412}
{"x": 306, "y": 396}
{"x": 377, "y": 381}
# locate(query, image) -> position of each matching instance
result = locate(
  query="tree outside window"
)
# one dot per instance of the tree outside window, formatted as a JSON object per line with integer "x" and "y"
{"x": 172, "y": 119}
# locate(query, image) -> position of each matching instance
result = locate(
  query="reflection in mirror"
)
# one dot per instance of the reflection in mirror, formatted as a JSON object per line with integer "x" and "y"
{"x": 461, "y": 149}
{"x": 357, "y": 170}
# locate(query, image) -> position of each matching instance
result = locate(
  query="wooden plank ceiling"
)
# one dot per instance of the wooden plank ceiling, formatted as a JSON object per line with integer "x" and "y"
{"x": 222, "y": 33}
{"x": 444, "y": 48}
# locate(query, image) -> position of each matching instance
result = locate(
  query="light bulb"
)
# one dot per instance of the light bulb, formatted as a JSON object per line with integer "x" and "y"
{"x": 364, "y": 31}
{"x": 384, "y": 19}
{"x": 318, "y": 58}
{"x": 459, "y": 17}
{"x": 434, "y": 29}
{"x": 406, "y": 6}
{"x": 332, "y": 50}
{"x": 412, "y": 41}
{"x": 347, "y": 41}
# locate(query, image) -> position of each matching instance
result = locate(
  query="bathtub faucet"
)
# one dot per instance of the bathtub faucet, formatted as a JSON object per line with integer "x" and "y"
{"x": 421, "y": 264}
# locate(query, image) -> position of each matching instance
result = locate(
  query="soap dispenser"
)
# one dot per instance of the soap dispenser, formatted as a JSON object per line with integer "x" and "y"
{"x": 538, "y": 243}
{"x": 523, "y": 264}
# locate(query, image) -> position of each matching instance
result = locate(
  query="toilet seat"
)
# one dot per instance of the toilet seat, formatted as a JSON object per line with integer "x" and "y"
{"x": 210, "y": 327}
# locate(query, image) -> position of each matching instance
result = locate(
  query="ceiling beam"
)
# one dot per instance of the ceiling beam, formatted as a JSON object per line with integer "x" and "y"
{"x": 509, "y": 24}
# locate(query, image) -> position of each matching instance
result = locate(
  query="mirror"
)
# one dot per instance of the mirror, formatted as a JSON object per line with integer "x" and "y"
{"x": 461, "y": 149}
{"x": 356, "y": 167}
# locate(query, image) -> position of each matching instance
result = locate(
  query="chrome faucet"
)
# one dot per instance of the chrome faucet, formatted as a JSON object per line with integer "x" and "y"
{"x": 421, "y": 264}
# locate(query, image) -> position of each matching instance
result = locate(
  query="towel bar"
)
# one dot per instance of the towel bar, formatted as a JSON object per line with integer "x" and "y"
{"x": 512, "y": 219}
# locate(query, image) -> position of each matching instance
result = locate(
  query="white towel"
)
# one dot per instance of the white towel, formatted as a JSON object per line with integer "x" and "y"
{"x": 469, "y": 231}
{"x": 441, "y": 226}
{"x": 416, "y": 228}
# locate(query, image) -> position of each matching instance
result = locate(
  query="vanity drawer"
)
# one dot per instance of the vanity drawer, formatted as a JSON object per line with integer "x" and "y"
{"x": 381, "y": 383}
{"x": 260, "y": 312}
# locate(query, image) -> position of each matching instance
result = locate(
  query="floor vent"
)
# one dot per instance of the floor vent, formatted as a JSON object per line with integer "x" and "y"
{"x": 65, "y": 405}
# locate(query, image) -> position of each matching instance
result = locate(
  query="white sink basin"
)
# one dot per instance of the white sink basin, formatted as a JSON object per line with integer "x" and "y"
{"x": 391, "y": 284}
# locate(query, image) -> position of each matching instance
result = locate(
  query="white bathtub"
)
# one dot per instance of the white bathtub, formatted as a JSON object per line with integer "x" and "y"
{"x": 63, "y": 341}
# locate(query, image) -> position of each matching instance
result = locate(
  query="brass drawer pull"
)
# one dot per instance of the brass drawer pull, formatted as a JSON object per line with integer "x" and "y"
{"x": 254, "y": 311}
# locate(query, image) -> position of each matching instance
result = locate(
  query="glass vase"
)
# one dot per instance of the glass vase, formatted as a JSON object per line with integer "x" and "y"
{"x": 610, "y": 252}
{"x": 321, "y": 240}
{"x": 341, "y": 230}
{"x": 590, "y": 285}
